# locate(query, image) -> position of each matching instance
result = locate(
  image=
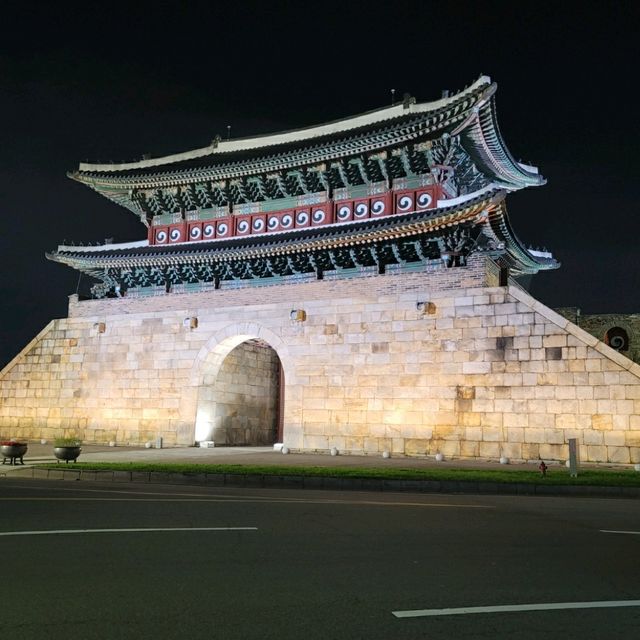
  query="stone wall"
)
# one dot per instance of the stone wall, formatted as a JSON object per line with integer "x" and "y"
{"x": 599, "y": 325}
{"x": 482, "y": 371}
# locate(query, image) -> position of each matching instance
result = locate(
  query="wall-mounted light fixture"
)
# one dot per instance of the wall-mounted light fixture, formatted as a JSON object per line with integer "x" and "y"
{"x": 426, "y": 308}
{"x": 298, "y": 315}
{"x": 100, "y": 327}
{"x": 190, "y": 323}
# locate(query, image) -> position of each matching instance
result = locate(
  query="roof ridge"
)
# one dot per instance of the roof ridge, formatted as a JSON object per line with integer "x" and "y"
{"x": 293, "y": 135}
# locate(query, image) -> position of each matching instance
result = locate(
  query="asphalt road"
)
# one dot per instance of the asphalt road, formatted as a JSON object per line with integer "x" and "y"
{"x": 241, "y": 563}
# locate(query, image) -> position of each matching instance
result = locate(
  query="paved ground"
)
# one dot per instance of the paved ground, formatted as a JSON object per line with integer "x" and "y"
{"x": 245, "y": 455}
{"x": 172, "y": 562}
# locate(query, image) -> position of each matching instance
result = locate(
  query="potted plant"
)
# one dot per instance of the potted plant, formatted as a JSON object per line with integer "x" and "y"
{"x": 13, "y": 450}
{"x": 67, "y": 449}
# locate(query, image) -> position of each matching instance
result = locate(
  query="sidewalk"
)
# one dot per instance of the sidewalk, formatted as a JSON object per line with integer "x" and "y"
{"x": 39, "y": 453}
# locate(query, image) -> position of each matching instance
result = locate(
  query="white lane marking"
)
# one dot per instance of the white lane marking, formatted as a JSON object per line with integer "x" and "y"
{"x": 65, "y": 531}
{"x": 631, "y": 533}
{"x": 601, "y": 604}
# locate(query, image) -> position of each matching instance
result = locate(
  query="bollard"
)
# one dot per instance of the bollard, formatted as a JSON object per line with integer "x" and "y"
{"x": 573, "y": 457}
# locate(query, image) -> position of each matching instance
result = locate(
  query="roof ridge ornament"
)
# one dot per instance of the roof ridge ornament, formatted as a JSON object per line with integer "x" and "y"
{"x": 407, "y": 101}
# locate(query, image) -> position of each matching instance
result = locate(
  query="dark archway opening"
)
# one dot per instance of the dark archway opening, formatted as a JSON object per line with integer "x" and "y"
{"x": 248, "y": 396}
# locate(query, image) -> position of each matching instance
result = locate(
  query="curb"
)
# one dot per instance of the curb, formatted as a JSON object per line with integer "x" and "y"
{"x": 330, "y": 484}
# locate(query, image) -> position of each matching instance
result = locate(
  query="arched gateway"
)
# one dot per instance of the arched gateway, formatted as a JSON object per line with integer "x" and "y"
{"x": 373, "y": 257}
{"x": 240, "y": 375}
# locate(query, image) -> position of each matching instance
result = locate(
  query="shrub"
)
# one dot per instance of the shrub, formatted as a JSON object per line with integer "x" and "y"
{"x": 67, "y": 442}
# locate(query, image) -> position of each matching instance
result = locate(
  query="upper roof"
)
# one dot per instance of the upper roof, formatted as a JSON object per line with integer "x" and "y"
{"x": 467, "y": 116}
{"x": 344, "y": 127}
{"x": 452, "y": 146}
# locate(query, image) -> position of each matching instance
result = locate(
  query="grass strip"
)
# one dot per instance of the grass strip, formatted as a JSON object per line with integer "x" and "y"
{"x": 591, "y": 477}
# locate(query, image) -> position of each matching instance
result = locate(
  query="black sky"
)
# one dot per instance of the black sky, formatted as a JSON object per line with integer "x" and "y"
{"x": 108, "y": 82}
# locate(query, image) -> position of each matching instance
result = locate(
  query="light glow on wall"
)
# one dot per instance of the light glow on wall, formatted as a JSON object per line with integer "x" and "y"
{"x": 204, "y": 425}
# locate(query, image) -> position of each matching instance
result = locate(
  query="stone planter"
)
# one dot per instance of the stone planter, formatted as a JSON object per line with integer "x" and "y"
{"x": 13, "y": 451}
{"x": 67, "y": 453}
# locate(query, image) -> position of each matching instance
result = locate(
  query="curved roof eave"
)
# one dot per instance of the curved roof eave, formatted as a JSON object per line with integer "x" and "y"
{"x": 520, "y": 259}
{"x": 485, "y": 145}
{"x": 295, "y": 135}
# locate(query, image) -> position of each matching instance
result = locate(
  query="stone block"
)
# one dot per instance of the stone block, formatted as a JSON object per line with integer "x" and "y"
{"x": 618, "y": 455}
{"x": 624, "y": 407}
{"x": 553, "y": 451}
{"x": 476, "y": 367}
{"x": 493, "y": 419}
{"x": 614, "y": 438}
{"x": 554, "y": 436}
{"x": 557, "y": 340}
{"x": 584, "y": 392}
{"x": 492, "y": 434}
{"x": 591, "y": 437}
{"x": 534, "y": 435}
{"x": 469, "y": 448}
{"x": 632, "y": 437}
{"x": 602, "y": 422}
{"x": 596, "y": 454}
{"x": 490, "y": 449}
{"x": 530, "y": 451}
{"x": 416, "y": 446}
{"x": 565, "y": 421}
{"x": 515, "y": 434}
{"x": 469, "y": 419}
{"x": 516, "y": 419}
{"x": 512, "y": 450}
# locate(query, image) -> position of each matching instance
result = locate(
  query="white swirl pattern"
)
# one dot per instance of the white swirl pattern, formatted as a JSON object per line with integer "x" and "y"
{"x": 404, "y": 203}
{"x": 362, "y": 209}
{"x": 287, "y": 221}
{"x": 175, "y": 235}
{"x": 195, "y": 232}
{"x": 207, "y": 231}
{"x": 377, "y": 207}
{"x": 424, "y": 200}
{"x": 302, "y": 217}
{"x": 344, "y": 212}
{"x": 258, "y": 224}
{"x": 243, "y": 226}
{"x": 318, "y": 216}
{"x": 222, "y": 229}
{"x": 273, "y": 223}
{"x": 162, "y": 236}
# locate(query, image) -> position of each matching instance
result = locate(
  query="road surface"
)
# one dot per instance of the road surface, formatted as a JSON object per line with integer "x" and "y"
{"x": 90, "y": 560}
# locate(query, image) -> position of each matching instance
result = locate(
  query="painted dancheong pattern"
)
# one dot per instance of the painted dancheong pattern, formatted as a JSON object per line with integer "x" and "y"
{"x": 332, "y": 211}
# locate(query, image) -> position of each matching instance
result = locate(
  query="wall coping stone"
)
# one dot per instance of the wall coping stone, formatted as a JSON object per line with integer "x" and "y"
{"x": 591, "y": 341}
{"x": 7, "y": 368}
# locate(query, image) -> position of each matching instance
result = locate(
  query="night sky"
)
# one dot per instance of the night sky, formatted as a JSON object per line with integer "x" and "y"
{"x": 113, "y": 82}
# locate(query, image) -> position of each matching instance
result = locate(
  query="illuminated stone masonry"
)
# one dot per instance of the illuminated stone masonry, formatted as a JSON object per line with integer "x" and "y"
{"x": 351, "y": 285}
{"x": 481, "y": 372}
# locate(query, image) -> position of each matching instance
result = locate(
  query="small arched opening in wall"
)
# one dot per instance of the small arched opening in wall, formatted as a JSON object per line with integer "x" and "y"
{"x": 241, "y": 378}
{"x": 617, "y": 338}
